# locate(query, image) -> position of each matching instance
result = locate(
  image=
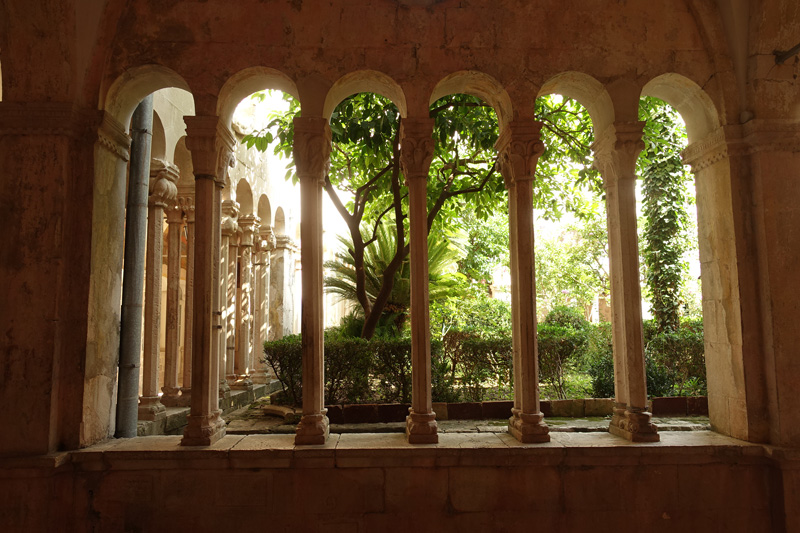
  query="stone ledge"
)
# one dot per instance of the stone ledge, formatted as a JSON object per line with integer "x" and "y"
{"x": 389, "y": 450}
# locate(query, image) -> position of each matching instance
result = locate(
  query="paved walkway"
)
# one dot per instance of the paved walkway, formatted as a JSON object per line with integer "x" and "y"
{"x": 252, "y": 421}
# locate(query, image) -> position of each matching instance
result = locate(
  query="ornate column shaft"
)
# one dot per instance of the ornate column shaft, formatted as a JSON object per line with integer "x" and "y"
{"x": 163, "y": 191}
{"x": 617, "y": 150}
{"x": 212, "y": 146}
{"x": 416, "y": 153}
{"x": 312, "y": 148}
{"x": 231, "y": 260}
{"x": 519, "y": 147}
{"x": 172, "y": 338}
{"x": 262, "y": 373}
{"x": 187, "y": 204}
{"x": 248, "y": 225}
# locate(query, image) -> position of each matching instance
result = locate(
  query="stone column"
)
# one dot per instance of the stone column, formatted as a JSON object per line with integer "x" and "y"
{"x": 228, "y": 279}
{"x": 281, "y": 291}
{"x": 187, "y": 204}
{"x": 262, "y": 373}
{"x": 312, "y": 147}
{"x": 248, "y": 225}
{"x": 519, "y": 147}
{"x": 172, "y": 338}
{"x": 163, "y": 191}
{"x": 212, "y": 146}
{"x": 616, "y": 152}
{"x": 416, "y": 153}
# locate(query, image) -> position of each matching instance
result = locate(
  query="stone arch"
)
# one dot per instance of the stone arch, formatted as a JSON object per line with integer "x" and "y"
{"x": 244, "y": 197}
{"x": 480, "y": 85}
{"x": 158, "y": 149}
{"x": 108, "y": 213}
{"x": 734, "y": 403}
{"x": 279, "y": 227}
{"x": 588, "y": 92}
{"x": 364, "y": 81}
{"x": 246, "y": 82}
{"x": 694, "y": 105}
{"x": 264, "y": 209}
{"x": 131, "y": 86}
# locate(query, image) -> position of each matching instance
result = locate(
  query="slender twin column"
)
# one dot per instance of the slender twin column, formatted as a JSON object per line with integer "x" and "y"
{"x": 171, "y": 389}
{"x": 187, "y": 204}
{"x": 266, "y": 243}
{"x": 616, "y": 151}
{"x": 416, "y": 153}
{"x": 230, "y": 261}
{"x": 312, "y": 147}
{"x": 243, "y": 361}
{"x": 519, "y": 147}
{"x": 163, "y": 191}
{"x": 281, "y": 288}
{"x": 212, "y": 146}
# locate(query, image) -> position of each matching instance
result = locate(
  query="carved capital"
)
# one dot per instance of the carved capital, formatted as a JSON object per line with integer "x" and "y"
{"x": 267, "y": 238}
{"x": 249, "y": 225}
{"x": 212, "y": 145}
{"x": 163, "y": 179}
{"x": 283, "y": 242}
{"x": 416, "y": 147}
{"x": 186, "y": 203}
{"x": 312, "y": 148}
{"x": 616, "y": 150}
{"x": 174, "y": 214}
{"x": 520, "y": 147}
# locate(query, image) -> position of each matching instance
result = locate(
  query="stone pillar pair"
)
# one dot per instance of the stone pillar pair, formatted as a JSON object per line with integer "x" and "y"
{"x": 266, "y": 243}
{"x": 519, "y": 147}
{"x": 248, "y": 225}
{"x": 163, "y": 191}
{"x": 616, "y": 151}
{"x": 211, "y": 144}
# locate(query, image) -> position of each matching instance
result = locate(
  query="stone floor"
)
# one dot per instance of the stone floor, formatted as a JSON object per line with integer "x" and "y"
{"x": 252, "y": 421}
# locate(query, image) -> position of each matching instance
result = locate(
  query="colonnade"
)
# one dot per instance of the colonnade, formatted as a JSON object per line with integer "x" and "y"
{"x": 519, "y": 147}
{"x": 247, "y": 306}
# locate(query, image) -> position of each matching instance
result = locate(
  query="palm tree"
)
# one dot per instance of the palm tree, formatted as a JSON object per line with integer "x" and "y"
{"x": 443, "y": 255}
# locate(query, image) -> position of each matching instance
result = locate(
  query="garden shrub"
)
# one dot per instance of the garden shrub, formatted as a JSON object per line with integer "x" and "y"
{"x": 348, "y": 363}
{"x": 560, "y": 349}
{"x": 284, "y": 356}
{"x": 392, "y": 368}
{"x": 485, "y": 361}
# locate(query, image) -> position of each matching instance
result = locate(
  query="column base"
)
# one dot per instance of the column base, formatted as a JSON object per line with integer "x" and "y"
{"x": 527, "y": 427}
{"x": 224, "y": 389}
{"x": 204, "y": 430}
{"x": 633, "y": 425}
{"x": 421, "y": 428}
{"x": 242, "y": 383}
{"x": 230, "y": 379}
{"x": 312, "y": 429}
{"x": 151, "y": 408}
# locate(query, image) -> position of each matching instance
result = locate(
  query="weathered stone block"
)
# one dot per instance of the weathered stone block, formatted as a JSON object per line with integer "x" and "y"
{"x": 360, "y": 414}
{"x": 567, "y": 408}
{"x": 674, "y": 406}
{"x": 598, "y": 406}
{"x": 392, "y": 412}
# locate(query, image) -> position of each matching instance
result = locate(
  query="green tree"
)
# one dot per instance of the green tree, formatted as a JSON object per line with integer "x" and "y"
{"x": 365, "y": 184}
{"x": 665, "y": 195}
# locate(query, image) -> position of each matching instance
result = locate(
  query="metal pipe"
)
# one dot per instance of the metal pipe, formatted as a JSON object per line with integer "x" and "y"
{"x": 130, "y": 349}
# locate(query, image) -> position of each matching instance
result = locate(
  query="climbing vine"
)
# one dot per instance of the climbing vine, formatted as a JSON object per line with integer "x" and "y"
{"x": 665, "y": 195}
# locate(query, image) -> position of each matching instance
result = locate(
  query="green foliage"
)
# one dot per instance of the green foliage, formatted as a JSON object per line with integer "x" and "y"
{"x": 681, "y": 353}
{"x": 341, "y": 280}
{"x": 665, "y": 195}
{"x": 479, "y": 315}
{"x": 571, "y": 269}
{"x": 487, "y": 245}
{"x": 562, "y": 337}
{"x": 348, "y": 361}
{"x": 674, "y": 360}
{"x": 284, "y": 356}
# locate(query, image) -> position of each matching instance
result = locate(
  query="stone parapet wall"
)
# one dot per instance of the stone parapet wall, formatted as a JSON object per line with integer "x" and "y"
{"x": 698, "y": 481}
